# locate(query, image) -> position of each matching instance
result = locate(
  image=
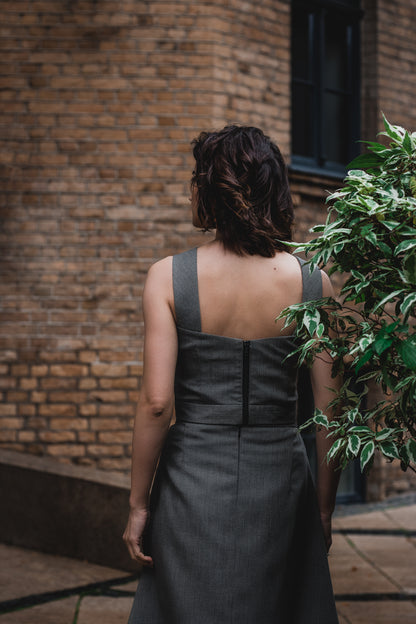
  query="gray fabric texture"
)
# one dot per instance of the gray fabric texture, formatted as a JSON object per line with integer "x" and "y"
{"x": 234, "y": 529}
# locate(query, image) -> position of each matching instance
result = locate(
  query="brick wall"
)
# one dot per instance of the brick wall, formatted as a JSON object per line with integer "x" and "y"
{"x": 396, "y": 66}
{"x": 99, "y": 102}
{"x": 388, "y": 64}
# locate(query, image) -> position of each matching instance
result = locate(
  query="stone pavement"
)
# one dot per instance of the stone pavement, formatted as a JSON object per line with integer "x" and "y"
{"x": 373, "y": 564}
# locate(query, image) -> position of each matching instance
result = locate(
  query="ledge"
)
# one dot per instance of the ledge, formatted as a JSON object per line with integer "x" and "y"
{"x": 64, "y": 509}
{"x": 52, "y": 466}
{"x": 313, "y": 185}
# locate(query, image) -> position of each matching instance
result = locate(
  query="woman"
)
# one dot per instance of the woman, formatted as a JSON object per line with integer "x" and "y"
{"x": 234, "y": 533}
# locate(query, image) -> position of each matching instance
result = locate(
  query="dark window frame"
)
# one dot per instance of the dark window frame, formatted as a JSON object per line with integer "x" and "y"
{"x": 317, "y": 10}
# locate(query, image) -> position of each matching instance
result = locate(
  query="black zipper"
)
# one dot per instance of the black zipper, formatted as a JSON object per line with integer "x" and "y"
{"x": 246, "y": 377}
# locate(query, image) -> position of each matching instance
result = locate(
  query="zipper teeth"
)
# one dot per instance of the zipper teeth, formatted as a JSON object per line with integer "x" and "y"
{"x": 246, "y": 364}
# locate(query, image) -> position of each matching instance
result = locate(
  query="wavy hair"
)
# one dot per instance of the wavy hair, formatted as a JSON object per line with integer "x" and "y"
{"x": 242, "y": 190}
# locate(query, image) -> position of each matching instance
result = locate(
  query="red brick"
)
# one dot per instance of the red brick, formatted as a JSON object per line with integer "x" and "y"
{"x": 26, "y": 436}
{"x": 11, "y": 423}
{"x": 7, "y": 410}
{"x": 7, "y": 435}
{"x": 108, "y": 370}
{"x": 68, "y": 423}
{"x": 36, "y": 423}
{"x": 28, "y": 383}
{"x": 66, "y": 450}
{"x": 66, "y": 397}
{"x": 88, "y": 409}
{"x": 17, "y": 397}
{"x": 103, "y": 424}
{"x": 26, "y": 410}
{"x": 87, "y": 383}
{"x": 68, "y": 370}
{"x": 126, "y": 410}
{"x": 39, "y": 370}
{"x": 57, "y": 409}
{"x": 88, "y": 356}
{"x": 100, "y": 450}
{"x": 62, "y": 383}
{"x": 20, "y": 370}
{"x": 113, "y": 437}
{"x": 121, "y": 464}
{"x": 57, "y": 436}
{"x": 86, "y": 436}
{"x": 108, "y": 396}
{"x": 38, "y": 397}
{"x": 127, "y": 383}
{"x": 7, "y": 382}
{"x": 136, "y": 370}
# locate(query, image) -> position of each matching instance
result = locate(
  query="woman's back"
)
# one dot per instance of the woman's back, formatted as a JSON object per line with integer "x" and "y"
{"x": 240, "y": 296}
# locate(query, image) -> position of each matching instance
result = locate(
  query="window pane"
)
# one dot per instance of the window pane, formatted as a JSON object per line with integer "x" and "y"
{"x": 336, "y": 128}
{"x": 325, "y": 82}
{"x": 347, "y": 484}
{"x": 336, "y": 52}
{"x": 302, "y": 137}
{"x": 300, "y": 44}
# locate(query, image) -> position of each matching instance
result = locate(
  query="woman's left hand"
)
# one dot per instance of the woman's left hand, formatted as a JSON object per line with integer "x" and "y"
{"x": 132, "y": 536}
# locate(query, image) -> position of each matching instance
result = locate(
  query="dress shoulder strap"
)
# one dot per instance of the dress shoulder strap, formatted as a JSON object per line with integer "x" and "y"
{"x": 185, "y": 290}
{"x": 311, "y": 282}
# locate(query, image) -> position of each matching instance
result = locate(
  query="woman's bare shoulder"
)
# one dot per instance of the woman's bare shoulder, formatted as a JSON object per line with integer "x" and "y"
{"x": 158, "y": 282}
{"x": 161, "y": 269}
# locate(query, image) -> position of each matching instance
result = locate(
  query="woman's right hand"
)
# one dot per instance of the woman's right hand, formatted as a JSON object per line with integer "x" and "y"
{"x": 133, "y": 536}
{"x": 326, "y": 520}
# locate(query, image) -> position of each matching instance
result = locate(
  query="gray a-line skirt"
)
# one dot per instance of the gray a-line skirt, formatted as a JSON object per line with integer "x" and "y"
{"x": 235, "y": 532}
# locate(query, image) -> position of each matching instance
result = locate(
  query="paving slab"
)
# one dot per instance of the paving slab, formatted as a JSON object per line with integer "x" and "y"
{"x": 384, "y": 612}
{"x": 404, "y": 517}
{"x": 371, "y": 520}
{"x": 129, "y": 587}
{"x": 351, "y": 574}
{"x": 394, "y": 556}
{"x": 24, "y": 572}
{"x": 57, "y": 612}
{"x": 104, "y": 610}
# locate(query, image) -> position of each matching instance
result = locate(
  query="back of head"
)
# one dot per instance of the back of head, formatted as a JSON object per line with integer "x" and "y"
{"x": 242, "y": 190}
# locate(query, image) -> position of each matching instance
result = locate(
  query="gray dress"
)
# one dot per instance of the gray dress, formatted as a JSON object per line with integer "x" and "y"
{"x": 235, "y": 531}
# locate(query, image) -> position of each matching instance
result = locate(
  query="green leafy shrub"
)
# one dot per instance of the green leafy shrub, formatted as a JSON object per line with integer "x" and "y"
{"x": 370, "y": 235}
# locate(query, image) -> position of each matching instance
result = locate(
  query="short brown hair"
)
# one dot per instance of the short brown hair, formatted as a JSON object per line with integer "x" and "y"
{"x": 243, "y": 190}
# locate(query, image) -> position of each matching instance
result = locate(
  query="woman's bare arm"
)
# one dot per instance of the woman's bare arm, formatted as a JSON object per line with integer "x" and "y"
{"x": 155, "y": 405}
{"x": 324, "y": 386}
